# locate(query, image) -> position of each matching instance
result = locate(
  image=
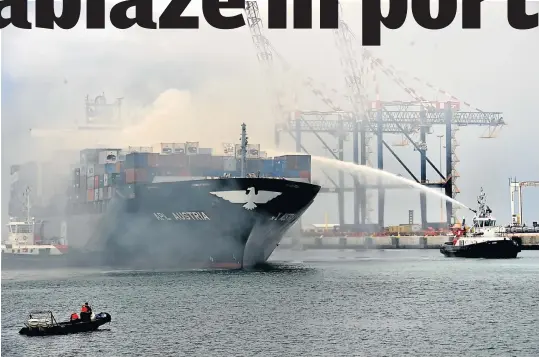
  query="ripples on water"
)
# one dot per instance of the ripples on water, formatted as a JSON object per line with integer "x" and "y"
{"x": 378, "y": 303}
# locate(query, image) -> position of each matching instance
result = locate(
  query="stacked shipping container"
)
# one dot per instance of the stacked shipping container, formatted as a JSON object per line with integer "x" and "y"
{"x": 176, "y": 164}
{"x": 293, "y": 166}
{"x": 102, "y": 170}
{"x": 138, "y": 167}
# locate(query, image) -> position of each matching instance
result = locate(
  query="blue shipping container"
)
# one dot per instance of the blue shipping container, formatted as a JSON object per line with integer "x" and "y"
{"x": 141, "y": 159}
{"x": 110, "y": 168}
{"x": 254, "y": 165}
{"x": 279, "y": 165}
{"x": 267, "y": 166}
{"x": 136, "y": 160}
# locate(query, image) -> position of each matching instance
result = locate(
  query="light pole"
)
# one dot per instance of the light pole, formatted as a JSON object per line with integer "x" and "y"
{"x": 441, "y": 200}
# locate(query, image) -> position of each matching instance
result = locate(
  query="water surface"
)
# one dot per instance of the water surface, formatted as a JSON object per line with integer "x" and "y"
{"x": 313, "y": 303}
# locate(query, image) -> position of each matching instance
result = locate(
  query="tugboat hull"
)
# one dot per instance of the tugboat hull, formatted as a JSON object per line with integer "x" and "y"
{"x": 496, "y": 249}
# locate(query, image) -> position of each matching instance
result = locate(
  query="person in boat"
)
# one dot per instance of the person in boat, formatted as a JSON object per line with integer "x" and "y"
{"x": 74, "y": 317}
{"x": 85, "y": 312}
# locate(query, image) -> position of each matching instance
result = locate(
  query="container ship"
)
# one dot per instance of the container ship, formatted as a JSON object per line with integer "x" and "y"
{"x": 171, "y": 205}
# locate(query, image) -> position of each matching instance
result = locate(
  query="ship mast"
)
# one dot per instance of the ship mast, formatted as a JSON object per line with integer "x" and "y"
{"x": 483, "y": 210}
{"x": 244, "y": 142}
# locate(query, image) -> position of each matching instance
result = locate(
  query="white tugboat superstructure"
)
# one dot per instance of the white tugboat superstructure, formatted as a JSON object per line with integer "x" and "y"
{"x": 25, "y": 238}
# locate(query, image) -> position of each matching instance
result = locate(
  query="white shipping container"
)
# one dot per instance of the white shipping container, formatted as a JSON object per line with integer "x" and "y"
{"x": 105, "y": 179}
{"x": 139, "y": 149}
{"x": 100, "y": 194}
{"x": 416, "y": 227}
{"x": 109, "y": 193}
{"x": 90, "y": 170}
{"x": 108, "y": 157}
{"x": 191, "y": 148}
{"x": 96, "y": 194}
{"x": 230, "y": 164}
{"x": 179, "y": 148}
{"x": 164, "y": 148}
{"x": 253, "y": 151}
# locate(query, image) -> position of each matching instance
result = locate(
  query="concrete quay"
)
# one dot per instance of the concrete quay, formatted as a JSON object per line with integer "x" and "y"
{"x": 389, "y": 242}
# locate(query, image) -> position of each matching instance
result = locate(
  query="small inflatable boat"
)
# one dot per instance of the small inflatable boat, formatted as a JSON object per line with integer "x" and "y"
{"x": 46, "y": 324}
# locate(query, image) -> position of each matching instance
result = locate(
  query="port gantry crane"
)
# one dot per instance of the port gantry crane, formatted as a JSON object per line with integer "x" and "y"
{"x": 370, "y": 118}
{"x": 516, "y": 187}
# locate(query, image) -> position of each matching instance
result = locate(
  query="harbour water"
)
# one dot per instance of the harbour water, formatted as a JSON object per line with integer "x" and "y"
{"x": 305, "y": 303}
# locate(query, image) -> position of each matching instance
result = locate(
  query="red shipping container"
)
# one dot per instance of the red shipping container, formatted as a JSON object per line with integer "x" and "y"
{"x": 90, "y": 196}
{"x": 136, "y": 175}
{"x": 141, "y": 175}
{"x": 129, "y": 175}
{"x": 96, "y": 181}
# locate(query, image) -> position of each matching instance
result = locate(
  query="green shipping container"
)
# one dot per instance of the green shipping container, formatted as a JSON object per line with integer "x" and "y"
{"x": 114, "y": 179}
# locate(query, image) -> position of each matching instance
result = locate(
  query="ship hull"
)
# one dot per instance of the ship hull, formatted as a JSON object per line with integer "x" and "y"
{"x": 498, "y": 249}
{"x": 216, "y": 223}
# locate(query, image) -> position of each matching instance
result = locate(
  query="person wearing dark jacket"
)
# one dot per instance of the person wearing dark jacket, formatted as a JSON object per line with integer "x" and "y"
{"x": 85, "y": 312}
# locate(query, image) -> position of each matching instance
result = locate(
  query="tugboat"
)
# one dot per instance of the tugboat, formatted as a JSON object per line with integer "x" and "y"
{"x": 26, "y": 244}
{"x": 483, "y": 240}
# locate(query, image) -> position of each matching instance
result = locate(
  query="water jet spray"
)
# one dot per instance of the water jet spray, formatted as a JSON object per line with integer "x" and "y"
{"x": 349, "y": 166}
{"x": 355, "y": 168}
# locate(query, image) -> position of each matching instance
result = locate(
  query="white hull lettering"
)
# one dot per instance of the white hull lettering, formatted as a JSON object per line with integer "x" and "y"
{"x": 161, "y": 216}
{"x": 182, "y": 216}
{"x": 286, "y": 217}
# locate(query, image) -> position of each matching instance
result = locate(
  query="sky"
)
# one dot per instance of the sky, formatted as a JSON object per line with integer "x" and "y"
{"x": 200, "y": 85}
